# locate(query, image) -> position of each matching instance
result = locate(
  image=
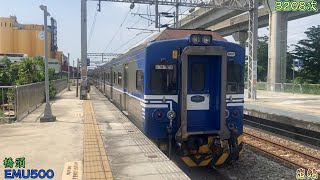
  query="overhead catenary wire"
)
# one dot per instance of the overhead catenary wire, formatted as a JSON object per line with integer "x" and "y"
{"x": 92, "y": 27}
{"x": 141, "y": 32}
{"x": 132, "y": 38}
{"x": 117, "y": 31}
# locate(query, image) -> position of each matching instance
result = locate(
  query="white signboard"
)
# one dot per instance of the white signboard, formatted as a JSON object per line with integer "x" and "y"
{"x": 170, "y": 67}
{"x": 41, "y": 35}
{"x": 231, "y": 54}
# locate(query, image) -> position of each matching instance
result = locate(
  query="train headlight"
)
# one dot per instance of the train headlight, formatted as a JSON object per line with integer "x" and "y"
{"x": 171, "y": 115}
{"x": 159, "y": 114}
{"x": 195, "y": 39}
{"x": 207, "y": 39}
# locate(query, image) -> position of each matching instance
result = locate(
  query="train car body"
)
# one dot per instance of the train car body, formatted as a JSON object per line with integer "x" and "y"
{"x": 185, "y": 87}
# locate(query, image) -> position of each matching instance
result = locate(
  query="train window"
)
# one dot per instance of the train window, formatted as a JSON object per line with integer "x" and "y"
{"x": 234, "y": 78}
{"x": 139, "y": 80}
{"x": 114, "y": 77}
{"x": 108, "y": 77}
{"x": 197, "y": 77}
{"x": 164, "y": 81}
{"x": 119, "y": 78}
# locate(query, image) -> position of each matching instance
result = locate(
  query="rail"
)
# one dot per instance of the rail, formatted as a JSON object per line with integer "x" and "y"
{"x": 18, "y": 101}
{"x": 282, "y": 150}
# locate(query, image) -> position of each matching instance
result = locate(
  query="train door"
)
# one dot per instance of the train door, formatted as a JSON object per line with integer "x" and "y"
{"x": 111, "y": 83}
{"x": 104, "y": 83}
{"x": 203, "y": 93}
{"x": 125, "y": 87}
{"x": 203, "y": 82}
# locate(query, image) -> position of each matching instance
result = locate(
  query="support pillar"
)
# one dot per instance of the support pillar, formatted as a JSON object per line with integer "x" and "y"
{"x": 241, "y": 37}
{"x": 83, "y": 87}
{"x": 277, "y": 48}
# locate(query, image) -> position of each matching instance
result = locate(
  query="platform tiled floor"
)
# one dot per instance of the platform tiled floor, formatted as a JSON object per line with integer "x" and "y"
{"x": 131, "y": 154}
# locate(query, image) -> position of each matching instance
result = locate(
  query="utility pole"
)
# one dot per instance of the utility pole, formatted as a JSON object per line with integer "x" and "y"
{"x": 77, "y": 78}
{"x": 83, "y": 87}
{"x": 73, "y": 73}
{"x": 157, "y": 14}
{"x": 69, "y": 72}
{"x": 177, "y": 14}
{"x": 47, "y": 115}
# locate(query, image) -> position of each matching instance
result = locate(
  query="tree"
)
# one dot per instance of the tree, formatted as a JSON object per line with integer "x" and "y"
{"x": 5, "y": 75}
{"x": 262, "y": 63}
{"x": 290, "y": 58}
{"x": 308, "y": 50}
{"x": 262, "y": 60}
{"x": 27, "y": 72}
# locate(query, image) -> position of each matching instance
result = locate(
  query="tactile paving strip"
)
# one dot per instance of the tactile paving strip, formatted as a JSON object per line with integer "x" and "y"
{"x": 95, "y": 161}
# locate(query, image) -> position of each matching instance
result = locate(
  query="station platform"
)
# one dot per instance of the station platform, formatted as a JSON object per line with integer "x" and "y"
{"x": 298, "y": 110}
{"x": 131, "y": 154}
{"x": 91, "y": 139}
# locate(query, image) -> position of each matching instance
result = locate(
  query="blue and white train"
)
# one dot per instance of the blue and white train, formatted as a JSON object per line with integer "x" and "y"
{"x": 182, "y": 88}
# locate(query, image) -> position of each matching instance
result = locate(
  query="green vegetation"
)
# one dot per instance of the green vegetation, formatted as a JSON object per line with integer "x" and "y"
{"x": 27, "y": 71}
{"x": 308, "y": 50}
{"x": 308, "y": 76}
{"x": 262, "y": 64}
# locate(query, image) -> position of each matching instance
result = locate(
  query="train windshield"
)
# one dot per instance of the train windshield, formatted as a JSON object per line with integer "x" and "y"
{"x": 164, "y": 79}
{"x": 234, "y": 78}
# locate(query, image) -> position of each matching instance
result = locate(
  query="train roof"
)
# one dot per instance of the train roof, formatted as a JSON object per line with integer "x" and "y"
{"x": 168, "y": 34}
{"x": 181, "y": 33}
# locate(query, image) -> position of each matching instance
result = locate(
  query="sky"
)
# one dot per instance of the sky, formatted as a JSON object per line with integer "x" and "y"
{"x": 110, "y": 33}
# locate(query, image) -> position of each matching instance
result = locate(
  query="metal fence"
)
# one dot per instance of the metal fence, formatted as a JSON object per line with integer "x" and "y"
{"x": 289, "y": 87}
{"x": 18, "y": 101}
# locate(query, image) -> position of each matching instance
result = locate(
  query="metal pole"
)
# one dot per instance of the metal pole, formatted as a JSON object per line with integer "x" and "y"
{"x": 252, "y": 46}
{"x": 83, "y": 88}
{"x": 293, "y": 69}
{"x": 73, "y": 73}
{"x": 69, "y": 72}
{"x": 177, "y": 14}
{"x": 77, "y": 78}
{"x": 157, "y": 14}
{"x": 47, "y": 116}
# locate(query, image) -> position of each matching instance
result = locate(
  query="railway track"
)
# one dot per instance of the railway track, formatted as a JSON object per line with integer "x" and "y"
{"x": 300, "y": 134}
{"x": 282, "y": 151}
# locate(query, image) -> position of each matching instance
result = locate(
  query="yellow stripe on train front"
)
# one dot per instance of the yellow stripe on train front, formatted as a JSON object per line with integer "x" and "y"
{"x": 222, "y": 158}
{"x": 240, "y": 139}
{"x": 205, "y": 162}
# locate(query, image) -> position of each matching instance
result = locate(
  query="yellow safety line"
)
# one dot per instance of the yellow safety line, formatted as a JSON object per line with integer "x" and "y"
{"x": 95, "y": 160}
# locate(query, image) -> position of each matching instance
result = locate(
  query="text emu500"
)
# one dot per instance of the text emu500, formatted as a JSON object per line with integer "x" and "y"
{"x": 182, "y": 88}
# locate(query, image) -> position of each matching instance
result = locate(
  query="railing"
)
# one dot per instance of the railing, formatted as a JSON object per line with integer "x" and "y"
{"x": 18, "y": 101}
{"x": 289, "y": 87}
{"x": 60, "y": 84}
{"x": 28, "y": 97}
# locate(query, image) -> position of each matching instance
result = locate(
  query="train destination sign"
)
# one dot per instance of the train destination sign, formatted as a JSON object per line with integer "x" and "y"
{"x": 169, "y": 67}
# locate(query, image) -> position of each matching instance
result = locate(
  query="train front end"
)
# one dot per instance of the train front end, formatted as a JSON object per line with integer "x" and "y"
{"x": 199, "y": 74}
{"x": 205, "y": 135}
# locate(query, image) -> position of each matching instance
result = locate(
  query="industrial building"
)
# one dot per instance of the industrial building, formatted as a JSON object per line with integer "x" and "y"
{"x": 18, "y": 41}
